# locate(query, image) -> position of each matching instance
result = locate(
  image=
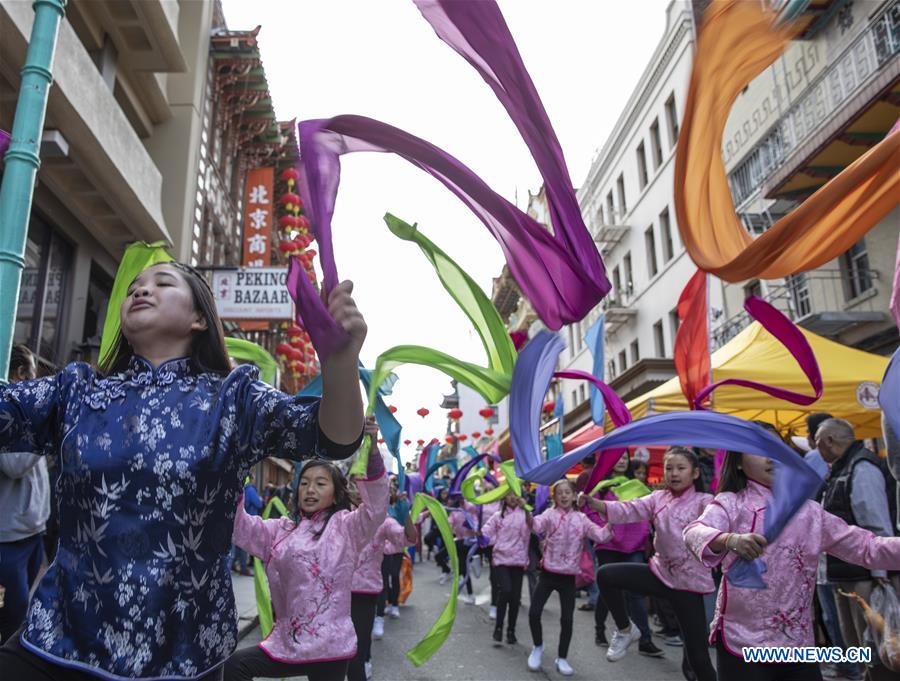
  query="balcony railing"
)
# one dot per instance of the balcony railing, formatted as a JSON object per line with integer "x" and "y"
{"x": 858, "y": 64}
{"x": 824, "y": 301}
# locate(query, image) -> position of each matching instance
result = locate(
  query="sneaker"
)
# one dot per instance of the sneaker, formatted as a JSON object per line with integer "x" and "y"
{"x": 468, "y": 598}
{"x": 620, "y": 642}
{"x": 498, "y": 635}
{"x": 600, "y": 639}
{"x": 444, "y": 578}
{"x": 586, "y": 607}
{"x": 563, "y": 667}
{"x": 534, "y": 660}
{"x": 493, "y": 614}
{"x": 511, "y": 637}
{"x": 394, "y": 612}
{"x": 674, "y": 641}
{"x": 368, "y": 668}
{"x": 647, "y": 648}
{"x": 378, "y": 628}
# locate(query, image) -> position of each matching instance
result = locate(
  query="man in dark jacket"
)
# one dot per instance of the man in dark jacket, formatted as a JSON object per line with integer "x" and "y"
{"x": 857, "y": 490}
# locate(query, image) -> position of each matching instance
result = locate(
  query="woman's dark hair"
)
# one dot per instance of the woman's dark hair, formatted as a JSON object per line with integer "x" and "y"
{"x": 693, "y": 459}
{"x": 341, "y": 493}
{"x": 732, "y": 477}
{"x": 19, "y": 358}
{"x": 208, "y": 352}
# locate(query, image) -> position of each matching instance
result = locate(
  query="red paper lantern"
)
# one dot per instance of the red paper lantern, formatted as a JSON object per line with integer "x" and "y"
{"x": 283, "y": 349}
{"x": 380, "y": 441}
{"x": 549, "y": 407}
{"x": 423, "y": 412}
{"x": 302, "y": 223}
{"x": 454, "y": 414}
{"x": 290, "y": 199}
{"x": 288, "y": 247}
{"x": 407, "y": 442}
{"x": 392, "y": 409}
{"x": 290, "y": 175}
{"x": 486, "y": 413}
{"x": 420, "y": 442}
{"x": 294, "y": 330}
{"x": 448, "y": 440}
{"x": 289, "y": 221}
{"x": 463, "y": 437}
{"x": 488, "y": 431}
{"x": 476, "y": 435}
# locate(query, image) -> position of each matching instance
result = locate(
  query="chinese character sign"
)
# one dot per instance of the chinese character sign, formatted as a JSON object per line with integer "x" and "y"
{"x": 258, "y": 217}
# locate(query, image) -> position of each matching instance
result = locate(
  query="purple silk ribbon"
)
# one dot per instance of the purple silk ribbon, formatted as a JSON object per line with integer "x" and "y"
{"x": 4, "y": 142}
{"x": 889, "y": 394}
{"x": 789, "y": 335}
{"x": 561, "y": 273}
{"x": 795, "y": 481}
{"x": 619, "y": 414}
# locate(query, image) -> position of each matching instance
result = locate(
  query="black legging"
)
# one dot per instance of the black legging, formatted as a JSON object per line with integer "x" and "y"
{"x": 489, "y": 555}
{"x": 733, "y": 668}
{"x": 249, "y": 663}
{"x": 17, "y": 663}
{"x": 635, "y": 603}
{"x": 362, "y": 612}
{"x": 509, "y": 593}
{"x": 462, "y": 550}
{"x": 390, "y": 576}
{"x": 688, "y": 606}
{"x": 548, "y": 582}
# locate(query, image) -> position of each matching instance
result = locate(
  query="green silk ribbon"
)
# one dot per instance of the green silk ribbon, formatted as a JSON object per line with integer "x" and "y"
{"x": 439, "y": 631}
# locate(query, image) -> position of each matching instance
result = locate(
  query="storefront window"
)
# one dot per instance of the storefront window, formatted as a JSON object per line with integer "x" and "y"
{"x": 99, "y": 292}
{"x": 42, "y": 299}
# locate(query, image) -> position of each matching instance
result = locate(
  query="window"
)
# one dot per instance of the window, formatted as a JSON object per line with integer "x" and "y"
{"x": 672, "y": 120}
{"x": 571, "y": 341}
{"x": 99, "y": 291}
{"x": 642, "y": 166}
{"x": 665, "y": 230}
{"x": 623, "y": 361}
{"x": 798, "y": 285}
{"x": 610, "y": 208}
{"x": 611, "y": 369}
{"x": 574, "y": 398}
{"x": 655, "y": 145}
{"x": 617, "y": 282}
{"x": 601, "y": 220}
{"x": 635, "y": 351}
{"x": 659, "y": 339}
{"x": 42, "y": 292}
{"x": 629, "y": 279}
{"x": 674, "y": 322}
{"x": 650, "y": 245}
{"x": 620, "y": 186}
{"x": 857, "y": 275}
{"x": 753, "y": 288}
{"x": 582, "y": 393}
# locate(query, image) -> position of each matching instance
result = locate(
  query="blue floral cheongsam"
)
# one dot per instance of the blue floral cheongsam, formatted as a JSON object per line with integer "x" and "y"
{"x": 151, "y": 466}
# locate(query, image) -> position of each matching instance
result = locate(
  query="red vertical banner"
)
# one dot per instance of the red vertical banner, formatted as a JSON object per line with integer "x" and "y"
{"x": 258, "y": 217}
{"x": 692, "y": 339}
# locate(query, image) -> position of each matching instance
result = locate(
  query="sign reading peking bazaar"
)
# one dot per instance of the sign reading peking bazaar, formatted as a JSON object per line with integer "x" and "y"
{"x": 252, "y": 293}
{"x": 258, "y": 218}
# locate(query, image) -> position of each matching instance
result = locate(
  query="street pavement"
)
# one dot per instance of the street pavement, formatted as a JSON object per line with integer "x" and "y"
{"x": 469, "y": 653}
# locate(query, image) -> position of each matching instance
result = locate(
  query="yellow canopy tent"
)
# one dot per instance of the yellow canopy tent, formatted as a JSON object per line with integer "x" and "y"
{"x": 851, "y": 379}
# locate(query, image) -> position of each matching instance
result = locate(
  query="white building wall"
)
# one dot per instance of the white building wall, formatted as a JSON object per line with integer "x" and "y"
{"x": 653, "y": 296}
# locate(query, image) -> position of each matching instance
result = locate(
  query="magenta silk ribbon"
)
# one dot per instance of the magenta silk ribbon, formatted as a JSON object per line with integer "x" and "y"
{"x": 789, "y": 335}
{"x": 561, "y": 273}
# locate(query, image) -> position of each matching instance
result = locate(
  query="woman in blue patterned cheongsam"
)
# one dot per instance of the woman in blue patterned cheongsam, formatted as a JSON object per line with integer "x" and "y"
{"x": 152, "y": 450}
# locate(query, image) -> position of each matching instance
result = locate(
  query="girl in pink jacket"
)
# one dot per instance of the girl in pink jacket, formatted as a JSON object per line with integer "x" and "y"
{"x": 562, "y": 531}
{"x": 673, "y": 573}
{"x": 462, "y": 515}
{"x": 310, "y": 567}
{"x": 780, "y": 614}
{"x": 508, "y": 532}
{"x": 368, "y": 584}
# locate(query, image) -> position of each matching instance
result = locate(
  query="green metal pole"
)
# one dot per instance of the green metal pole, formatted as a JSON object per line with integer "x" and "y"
{"x": 22, "y": 163}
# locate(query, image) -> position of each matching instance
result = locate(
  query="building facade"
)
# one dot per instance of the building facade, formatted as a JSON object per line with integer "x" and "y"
{"x": 626, "y": 201}
{"x": 830, "y": 97}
